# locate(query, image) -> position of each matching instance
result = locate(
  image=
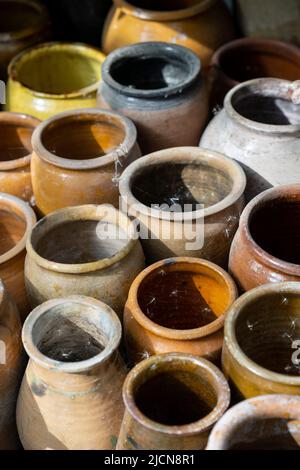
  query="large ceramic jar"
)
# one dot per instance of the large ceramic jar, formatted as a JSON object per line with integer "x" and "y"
{"x": 200, "y": 25}
{"x": 16, "y": 222}
{"x": 71, "y": 394}
{"x": 159, "y": 86}
{"x": 178, "y": 305}
{"x": 78, "y": 157}
{"x": 88, "y": 250}
{"x": 261, "y": 341}
{"x": 260, "y": 127}
{"x": 266, "y": 247}
{"x": 54, "y": 77}
{"x": 15, "y": 154}
{"x": 188, "y": 202}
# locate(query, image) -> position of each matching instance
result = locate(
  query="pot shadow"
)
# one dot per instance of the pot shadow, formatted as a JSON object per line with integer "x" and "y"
{"x": 15, "y": 142}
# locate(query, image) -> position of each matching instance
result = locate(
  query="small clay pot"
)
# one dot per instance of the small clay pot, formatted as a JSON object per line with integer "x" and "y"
{"x": 159, "y": 87}
{"x": 75, "y": 372}
{"x": 261, "y": 341}
{"x": 78, "y": 157}
{"x": 16, "y": 222}
{"x": 171, "y": 402}
{"x": 15, "y": 154}
{"x": 270, "y": 422}
{"x": 54, "y": 77}
{"x": 178, "y": 305}
{"x": 266, "y": 247}
{"x": 188, "y": 202}
{"x": 88, "y": 250}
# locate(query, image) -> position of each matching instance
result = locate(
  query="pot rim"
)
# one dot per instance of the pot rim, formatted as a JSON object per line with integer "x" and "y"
{"x": 70, "y": 367}
{"x": 28, "y": 30}
{"x": 219, "y": 385}
{"x": 230, "y": 337}
{"x": 183, "y": 155}
{"x": 191, "y": 334}
{"x": 120, "y": 151}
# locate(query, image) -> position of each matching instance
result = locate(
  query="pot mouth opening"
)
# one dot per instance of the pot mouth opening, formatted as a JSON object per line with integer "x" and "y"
{"x": 164, "y": 11}
{"x": 20, "y": 18}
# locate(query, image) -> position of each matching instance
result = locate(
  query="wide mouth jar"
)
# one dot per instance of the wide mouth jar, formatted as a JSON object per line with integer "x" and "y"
{"x": 20, "y": 18}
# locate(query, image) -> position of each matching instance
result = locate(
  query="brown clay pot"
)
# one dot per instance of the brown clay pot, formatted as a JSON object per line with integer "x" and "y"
{"x": 16, "y": 222}
{"x": 266, "y": 247}
{"x": 71, "y": 394}
{"x": 178, "y": 305}
{"x": 78, "y": 157}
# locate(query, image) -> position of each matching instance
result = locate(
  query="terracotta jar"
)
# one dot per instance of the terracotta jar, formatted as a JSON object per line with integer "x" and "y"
{"x": 54, "y": 77}
{"x": 260, "y": 127}
{"x": 188, "y": 202}
{"x": 16, "y": 222}
{"x": 200, "y": 25}
{"x": 15, "y": 154}
{"x": 10, "y": 369}
{"x": 88, "y": 250}
{"x": 78, "y": 157}
{"x": 261, "y": 341}
{"x": 178, "y": 305}
{"x": 75, "y": 373}
{"x": 266, "y": 247}
{"x": 159, "y": 86}
{"x": 23, "y": 24}
{"x": 270, "y": 422}
{"x": 171, "y": 403}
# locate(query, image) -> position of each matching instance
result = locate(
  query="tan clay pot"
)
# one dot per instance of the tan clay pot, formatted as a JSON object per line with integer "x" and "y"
{"x": 71, "y": 395}
{"x": 178, "y": 305}
{"x": 78, "y": 157}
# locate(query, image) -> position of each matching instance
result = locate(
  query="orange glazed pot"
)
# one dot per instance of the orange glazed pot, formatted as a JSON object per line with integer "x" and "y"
{"x": 178, "y": 305}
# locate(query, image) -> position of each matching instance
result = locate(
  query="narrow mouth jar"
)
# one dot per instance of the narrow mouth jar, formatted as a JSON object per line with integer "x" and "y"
{"x": 21, "y": 18}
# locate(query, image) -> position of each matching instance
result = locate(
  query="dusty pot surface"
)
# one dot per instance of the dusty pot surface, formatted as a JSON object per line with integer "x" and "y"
{"x": 16, "y": 222}
{"x": 78, "y": 157}
{"x": 159, "y": 86}
{"x": 178, "y": 305}
{"x": 171, "y": 402}
{"x": 260, "y": 127}
{"x": 270, "y": 422}
{"x": 88, "y": 250}
{"x": 262, "y": 331}
{"x": 74, "y": 372}
{"x": 266, "y": 247}
{"x": 54, "y": 77}
{"x": 167, "y": 190}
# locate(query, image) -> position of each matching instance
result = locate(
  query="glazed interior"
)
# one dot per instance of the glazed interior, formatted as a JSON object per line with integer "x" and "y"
{"x": 166, "y": 5}
{"x": 17, "y": 15}
{"x": 12, "y": 226}
{"x": 15, "y": 140}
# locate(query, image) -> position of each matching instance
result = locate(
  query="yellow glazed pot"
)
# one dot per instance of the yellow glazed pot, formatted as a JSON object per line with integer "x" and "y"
{"x": 54, "y": 77}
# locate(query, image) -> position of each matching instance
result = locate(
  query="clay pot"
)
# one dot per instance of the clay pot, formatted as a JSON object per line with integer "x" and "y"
{"x": 88, "y": 250}
{"x": 78, "y": 156}
{"x": 172, "y": 401}
{"x": 10, "y": 368}
{"x": 74, "y": 372}
{"x": 16, "y": 222}
{"x": 266, "y": 247}
{"x": 159, "y": 87}
{"x": 270, "y": 422}
{"x": 166, "y": 192}
{"x": 260, "y": 128}
{"x": 200, "y": 25}
{"x": 23, "y": 24}
{"x": 54, "y": 77}
{"x": 178, "y": 305}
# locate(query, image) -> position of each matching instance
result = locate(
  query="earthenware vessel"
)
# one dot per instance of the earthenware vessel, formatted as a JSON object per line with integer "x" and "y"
{"x": 200, "y": 25}
{"x": 270, "y": 422}
{"x": 260, "y": 127}
{"x": 16, "y": 222}
{"x": 171, "y": 403}
{"x": 76, "y": 374}
{"x": 54, "y": 77}
{"x": 178, "y": 305}
{"x": 78, "y": 157}
{"x": 166, "y": 192}
{"x": 266, "y": 247}
{"x": 88, "y": 250}
{"x": 159, "y": 87}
